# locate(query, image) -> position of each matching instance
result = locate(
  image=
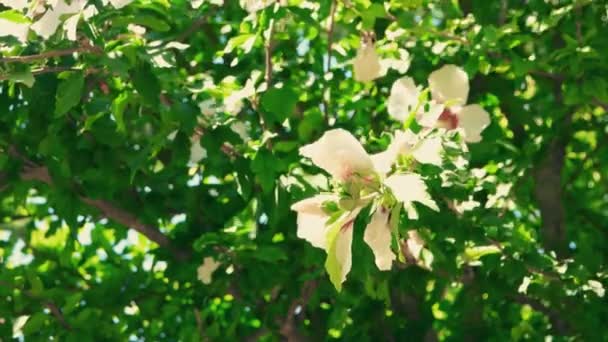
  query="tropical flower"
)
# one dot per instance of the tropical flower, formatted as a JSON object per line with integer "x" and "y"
{"x": 449, "y": 88}
{"x": 366, "y": 64}
{"x": 340, "y": 154}
{"x": 206, "y": 269}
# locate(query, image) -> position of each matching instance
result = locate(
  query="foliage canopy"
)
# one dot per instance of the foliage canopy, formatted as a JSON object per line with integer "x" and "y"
{"x": 168, "y": 168}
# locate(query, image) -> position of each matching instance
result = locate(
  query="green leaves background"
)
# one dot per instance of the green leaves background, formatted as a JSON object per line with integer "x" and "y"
{"x": 103, "y": 222}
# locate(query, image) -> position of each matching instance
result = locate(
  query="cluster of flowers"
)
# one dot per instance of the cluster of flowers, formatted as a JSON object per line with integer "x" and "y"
{"x": 384, "y": 181}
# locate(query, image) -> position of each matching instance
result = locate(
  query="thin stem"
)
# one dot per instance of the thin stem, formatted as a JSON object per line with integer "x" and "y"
{"x": 268, "y": 55}
{"x": 330, "y": 38}
{"x": 50, "y": 54}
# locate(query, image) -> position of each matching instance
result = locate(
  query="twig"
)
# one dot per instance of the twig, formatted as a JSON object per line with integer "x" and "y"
{"x": 557, "y": 323}
{"x": 604, "y": 105}
{"x": 549, "y": 75}
{"x": 330, "y": 38}
{"x": 58, "y": 315}
{"x": 53, "y": 308}
{"x": 268, "y": 55}
{"x": 330, "y": 34}
{"x": 199, "y": 323}
{"x": 196, "y": 24}
{"x": 129, "y": 220}
{"x": 288, "y": 328}
{"x": 50, "y": 54}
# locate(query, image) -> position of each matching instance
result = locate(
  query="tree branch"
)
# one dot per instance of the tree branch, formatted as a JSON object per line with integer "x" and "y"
{"x": 58, "y": 315}
{"x": 41, "y": 173}
{"x": 557, "y": 323}
{"x": 50, "y": 54}
{"x": 53, "y": 308}
{"x": 548, "y": 184}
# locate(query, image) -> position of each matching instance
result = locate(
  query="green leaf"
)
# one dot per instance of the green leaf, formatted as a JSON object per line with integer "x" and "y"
{"x": 118, "y": 110}
{"x": 34, "y": 324}
{"x": 69, "y": 92}
{"x": 149, "y": 21}
{"x": 26, "y": 77}
{"x": 280, "y": 102}
{"x": 71, "y": 303}
{"x": 477, "y": 252}
{"x": 14, "y": 16}
{"x": 146, "y": 84}
{"x": 265, "y": 166}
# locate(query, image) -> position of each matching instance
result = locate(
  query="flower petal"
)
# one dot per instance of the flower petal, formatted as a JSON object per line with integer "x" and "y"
{"x": 70, "y": 26}
{"x": 197, "y": 152}
{"x": 409, "y": 188}
{"x": 430, "y": 117}
{"x": 378, "y": 237}
{"x": 312, "y": 219}
{"x": 17, "y": 30}
{"x": 205, "y": 270}
{"x": 429, "y": 151}
{"x": 403, "y": 98}
{"x": 14, "y": 4}
{"x": 473, "y": 119}
{"x": 48, "y": 24}
{"x": 340, "y": 154}
{"x": 414, "y": 243}
{"x": 449, "y": 83}
{"x": 366, "y": 65}
{"x": 118, "y": 4}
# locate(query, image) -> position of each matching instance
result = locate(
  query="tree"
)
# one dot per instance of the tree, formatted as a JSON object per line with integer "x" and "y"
{"x": 301, "y": 170}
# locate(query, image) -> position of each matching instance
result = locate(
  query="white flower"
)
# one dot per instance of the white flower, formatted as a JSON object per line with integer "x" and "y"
{"x": 340, "y": 154}
{"x": 449, "y": 88}
{"x": 366, "y": 64}
{"x": 378, "y": 236}
{"x": 205, "y": 271}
